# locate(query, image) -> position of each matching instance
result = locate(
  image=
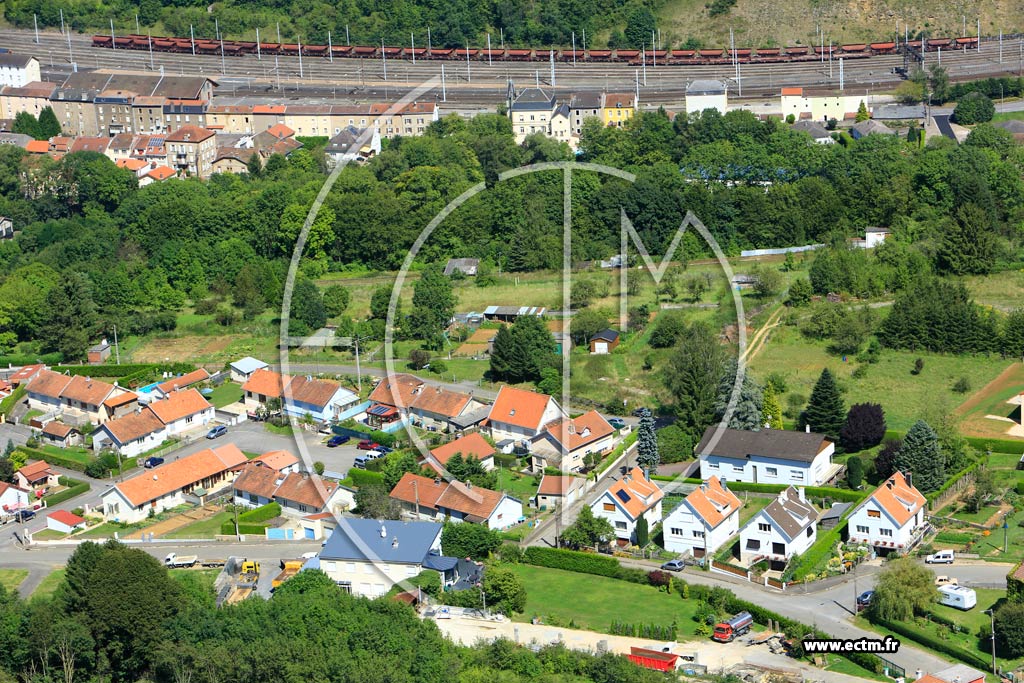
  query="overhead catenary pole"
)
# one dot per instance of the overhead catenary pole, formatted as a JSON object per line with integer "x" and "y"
{"x": 62, "y": 21}
{"x": 636, "y": 83}
{"x": 412, "y": 42}
{"x": 150, "y": 36}
{"x": 501, "y": 37}
{"x": 643, "y": 61}
{"x": 551, "y": 58}
{"x": 117, "y": 349}
{"x": 71, "y": 57}
{"x": 216, "y": 28}
{"x": 259, "y": 55}
{"x": 347, "y": 41}
{"x": 584, "y": 40}
{"x": 298, "y": 40}
{"x": 469, "y": 67}
{"x": 574, "y": 48}
{"x": 277, "y": 70}
{"x": 223, "y": 64}
{"x": 383, "y": 58}
{"x": 192, "y": 34}
{"x": 444, "y": 90}
{"x": 979, "y": 34}
{"x": 1000, "y": 46}
{"x": 279, "y": 33}
{"x": 428, "y": 41}
{"x": 654, "y": 52}
{"x": 113, "y": 38}
{"x": 840, "y": 73}
{"x": 489, "y": 62}
{"x": 330, "y": 48}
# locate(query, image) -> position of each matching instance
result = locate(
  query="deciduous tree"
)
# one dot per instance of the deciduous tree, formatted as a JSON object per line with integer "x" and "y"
{"x": 864, "y": 427}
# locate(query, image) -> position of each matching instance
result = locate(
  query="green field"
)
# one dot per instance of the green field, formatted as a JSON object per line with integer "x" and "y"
{"x": 205, "y": 577}
{"x": 991, "y": 399}
{"x": 905, "y": 397}
{"x": 1004, "y": 290}
{"x": 517, "y": 485}
{"x": 226, "y": 394}
{"x": 206, "y": 528}
{"x": 10, "y": 579}
{"x": 49, "y": 584}
{"x": 49, "y": 535}
{"x": 594, "y": 602}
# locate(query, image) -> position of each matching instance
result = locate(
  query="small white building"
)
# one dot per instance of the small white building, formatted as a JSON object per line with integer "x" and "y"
{"x": 519, "y": 415}
{"x": 818, "y": 107}
{"x": 704, "y": 94}
{"x": 891, "y": 518}
{"x": 65, "y": 522}
{"x": 556, "y": 490}
{"x": 784, "y": 528}
{"x": 770, "y": 456}
{"x": 818, "y": 132}
{"x": 242, "y": 369}
{"x": 626, "y": 501}
{"x": 706, "y": 519}
{"x": 18, "y": 70}
{"x": 130, "y": 435}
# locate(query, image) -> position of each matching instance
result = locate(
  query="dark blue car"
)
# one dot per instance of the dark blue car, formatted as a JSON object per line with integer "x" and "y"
{"x": 337, "y": 440}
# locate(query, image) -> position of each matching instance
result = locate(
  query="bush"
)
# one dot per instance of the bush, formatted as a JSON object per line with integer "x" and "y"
{"x": 1020, "y": 489}
{"x": 973, "y": 108}
{"x": 361, "y": 478}
{"x": 250, "y": 521}
{"x": 74, "y": 488}
{"x": 818, "y": 553}
{"x": 1015, "y": 586}
{"x": 439, "y": 367}
{"x": 933, "y": 643}
{"x": 962, "y": 385}
{"x": 573, "y": 561}
{"x": 418, "y": 358}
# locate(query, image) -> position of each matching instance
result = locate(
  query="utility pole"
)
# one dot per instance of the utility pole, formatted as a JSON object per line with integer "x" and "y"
{"x": 501, "y": 37}
{"x": 412, "y": 43}
{"x": 279, "y": 33}
{"x": 979, "y": 34}
{"x": 992, "y": 614}
{"x": 469, "y": 67}
{"x": 113, "y": 38}
{"x": 584, "y": 40}
{"x": 223, "y": 64}
{"x": 117, "y": 349}
{"x": 428, "y": 41}
{"x": 330, "y": 49}
{"x": 444, "y": 91}
{"x": 574, "y": 48}
{"x": 643, "y": 62}
{"x": 137, "y": 29}
{"x": 192, "y": 34}
{"x": 150, "y": 36}
{"x": 359, "y": 371}
{"x": 259, "y": 55}
{"x": 299, "y": 43}
{"x": 62, "y": 21}
{"x": 654, "y": 52}
{"x": 216, "y": 28}
{"x": 489, "y": 62}
{"x": 383, "y": 59}
{"x": 551, "y": 57}
{"x": 35, "y": 21}
{"x": 840, "y": 73}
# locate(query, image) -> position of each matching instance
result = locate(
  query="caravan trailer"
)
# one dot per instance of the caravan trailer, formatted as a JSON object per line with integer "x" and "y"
{"x": 960, "y": 597}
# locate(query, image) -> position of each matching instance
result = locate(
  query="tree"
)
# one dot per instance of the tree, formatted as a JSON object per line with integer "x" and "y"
{"x": 379, "y": 303}
{"x": 307, "y": 308}
{"x": 374, "y": 501}
{"x": 48, "y": 126}
{"x": 469, "y": 469}
{"x": 669, "y": 326}
{"x": 254, "y": 166}
{"x": 938, "y": 83}
{"x": 638, "y": 317}
{"x": 647, "y": 442}
{"x": 522, "y": 352}
{"x": 71, "y": 317}
{"x": 419, "y": 358}
{"x": 747, "y": 412}
{"x": 922, "y": 457}
{"x": 1009, "y": 628}
{"x": 640, "y": 26}
{"x": 696, "y": 286}
{"x": 319, "y": 468}
{"x": 674, "y": 445}
{"x": 6, "y": 469}
{"x": 397, "y": 465}
{"x": 903, "y": 589}
{"x": 854, "y": 472}
{"x": 974, "y": 107}
{"x": 588, "y": 530}
{"x": 501, "y": 354}
{"x": 336, "y": 300}
{"x": 433, "y": 305}
{"x": 247, "y": 294}
{"x": 505, "y": 591}
{"x": 825, "y": 412}
{"x": 475, "y": 541}
{"x": 984, "y": 489}
{"x": 968, "y": 245}
{"x": 864, "y": 428}
{"x": 885, "y": 461}
{"x": 25, "y": 124}
{"x": 642, "y": 532}
{"x": 800, "y": 292}
{"x": 771, "y": 412}
{"x": 585, "y": 325}
{"x": 768, "y": 282}
{"x": 862, "y": 112}
{"x": 692, "y": 375}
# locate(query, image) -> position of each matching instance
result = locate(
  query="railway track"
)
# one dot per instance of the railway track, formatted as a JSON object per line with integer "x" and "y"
{"x": 485, "y": 84}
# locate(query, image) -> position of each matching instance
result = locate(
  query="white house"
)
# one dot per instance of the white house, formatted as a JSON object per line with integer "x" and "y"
{"x": 352, "y": 144}
{"x": 17, "y": 70}
{"x": 566, "y": 443}
{"x": 183, "y": 410}
{"x": 368, "y": 557}
{"x": 555, "y": 490}
{"x": 298, "y": 493}
{"x": 12, "y": 499}
{"x": 784, "y": 528}
{"x": 519, "y": 416}
{"x": 891, "y": 518}
{"x": 434, "y": 408}
{"x": 131, "y": 435}
{"x": 427, "y": 498}
{"x": 770, "y": 456}
{"x": 704, "y": 94}
{"x": 44, "y": 390}
{"x": 707, "y": 518}
{"x": 65, "y": 522}
{"x": 194, "y": 476}
{"x": 183, "y": 381}
{"x": 817, "y": 132}
{"x": 626, "y": 501}
{"x": 242, "y": 369}
{"x": 820, "y": 106}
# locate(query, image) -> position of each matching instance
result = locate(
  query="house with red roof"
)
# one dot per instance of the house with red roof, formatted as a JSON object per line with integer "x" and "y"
{"x": 470, "y": 446}
{"x": 183, "y": 381}
{"x": 59, "y": 434}
{"x": 278, "y": 461}
{"x": 148, "y": 426}
{"x": 704, "y": 520}
{"x": 79, "y": 398}
{"x": 182, "y": 411}
{"x": 892, "y": 518}
{"x": 518, "y": 416}
{"x": 298, "y": 493}
{"x": 188, "y": 479}
{"x": 556, "y": 490}
{"x": 65, "y": 522}
{"x": 36, "y": 475}
{"x": 26, "y": 374}
{"x": 437, "y": 409}
{"x": 436, "y": 499}
{"x": 567, "y": 442}
{"x": 626, "y": 501}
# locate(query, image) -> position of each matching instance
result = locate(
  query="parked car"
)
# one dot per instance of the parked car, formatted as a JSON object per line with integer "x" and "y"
{"x": 943, "y": 580}
{"x": 373, "y": 455}
{"x": 637, "y": 412}
{"x": 337, "y": 440}
{"x": 941, "y": 557}
{"x": 152, "y": 461}
{"x": 218, "y": 431}
{"x": 674, "y": 566}
{"x": 361, "y": 462}
{"x": 864, "y": 599}
{"x": 617, "y": 422}
{"x": 384, "y": 449}
{"x": 367, "y": 445}
{"x": 24, "y": 515}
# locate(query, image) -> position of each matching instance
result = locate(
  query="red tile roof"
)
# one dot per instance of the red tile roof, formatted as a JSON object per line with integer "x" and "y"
{"x": 412, "y": 487}
{"x": 133, "y": 426}
{"x": 58, "y": 429}
{"x": 26, "y": 372}
{"x": 276, "y": 460}
{"x": 179, "y": 404}
{"x": 132, "y": 164}
{"x": 578, "y": 432}
{"x": 519, "y": 407}
{"x": 317, "y": 392}
{"x": 713, "y": 502}
{"x": 37, "y": 147}
{"x": 472, "y": 445}
{"x": 639, "y": 495}
{"x": 265, "y": 383}
{"x": 792, "y": 91}
{"x": 183, "y": 381}
{"x": 305, "y": 489}
{"x": 440, "y": 401}
{"x": 189, "y": 134}
{"x": 186, "y": 471}
{"x": 162, "y": 173}
{"x": 476, "y": 503}
{"x": 87, "y": 390}
{"x": 48, "y": 383}
{"x": 551, "y": 485}
{"x": 121, "y": 399}
{"x": 280, "y": 131}
{"x": 35, "y": 471}
{"x": 261, "y": 481}
{"x": 898, "y": 498}
{"x": 405, "y": 384}
{"x": 65, "y": 517}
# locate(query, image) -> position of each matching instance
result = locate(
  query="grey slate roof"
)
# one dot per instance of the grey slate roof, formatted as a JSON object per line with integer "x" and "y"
{"x": 812, "y": 128}
{"x": 343, "y": 141}
{"x": 769, "y": 443}
{"x": 790, "y": 514}
{"x": 705, "y": 86}
{"x": 608, "y": 335}
{"x": 387, "y": 541}
{"x": 585, "y": 100}
{"x": 12, "y": 59}
{"x": 16, "y": 139}
{"x": 835, "y": 512}
{"x": 533, "y": 99}
{"x": 466, "y": 265}
{"x": 870, "y": 127}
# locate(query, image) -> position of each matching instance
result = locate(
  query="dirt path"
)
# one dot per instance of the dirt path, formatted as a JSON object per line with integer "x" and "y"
{"x": 174, "y": 523}
{"x": 760, "y": 337}
{"x": 1006, "y": 378}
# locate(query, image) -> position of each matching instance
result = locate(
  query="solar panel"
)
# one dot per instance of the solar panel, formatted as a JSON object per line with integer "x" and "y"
{"x": 623, "y": 496}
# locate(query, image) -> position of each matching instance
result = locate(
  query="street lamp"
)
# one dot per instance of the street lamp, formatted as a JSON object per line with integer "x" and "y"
{"x": 992, "y": 614}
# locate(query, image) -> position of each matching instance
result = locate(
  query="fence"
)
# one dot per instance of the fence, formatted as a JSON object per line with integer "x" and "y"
{"x": 723, "y": 568}
{"x": 354, "y": 410}
{"x": 952, "y": 491}
{"x": 784, "y": 250}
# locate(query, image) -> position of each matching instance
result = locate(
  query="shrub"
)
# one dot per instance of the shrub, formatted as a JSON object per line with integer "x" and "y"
{"x": 962, "y": 385}
{"x": 74, "y": 488}
{"x": 418, "y": 358}
{"x": 361, "y": 478}
{"x": 439, "y": 367}
{"x": 918, "y": 366}
{"x": 1015, "y": 586}
{"x": 934, "y": 643}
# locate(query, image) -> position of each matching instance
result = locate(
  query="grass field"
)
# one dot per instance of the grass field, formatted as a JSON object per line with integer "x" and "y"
{"x": 10, "y": 579}
{"x": 517, "y": 485}
{"x": 206, "y": 528}
{"x": 204, "y": 577}
{"x": 49, "y": 584}
{"x": 1003, "y": 290}
{"x": 226, "y": 394}
{"x": 990, "y": 399}
{"x": 597, "y": 601}
{"x": 1009, "y": 116}
{"x": 905, "y": 397}
{"x": 49, "y": 535}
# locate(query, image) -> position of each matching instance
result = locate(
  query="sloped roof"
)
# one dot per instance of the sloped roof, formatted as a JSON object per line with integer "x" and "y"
{"x": 87, "y": 390}
{"x": 519, "y": 407}
{"x": 65, "y": 517}
{"x": 898, "y": 498}
{"x": 182, "y": 381}
{"x": 578, "y": 432}
{"x": 179, "y": 404}
{"x": 305, "y": 489}
{"x": 411, "y": 486}
{"x": 189, "y": 134}
{"x": 769, "y": 443}
{"x": 26, "y": 372}
{"x": 121, "y": 399}
{"x": 248, "y": 365}
{"x": 441, "y": 401}
{"x": 790, "y": 514}
{"x": 133, "y": 426}
{"x": 635, "y": 493}
{"x": 713, "y": 502}
{"x": 37, "y": 146}
{"x": 262, "y": 481}
{"x": 36, "y": 470}
{"x": 317, "y": 392}
{"x": 175, "y": 475}
{"x": 608, "y": 335}
{"x": 551, "y": 485}
{"x": 58, "y": 429}
{"x": 48, "y": 383}
{"x": 265, "y": 382}
{"x": 276, "y": 460}
{"x": 618, "y": 100}
{"x": 404, "y": 383}
{"x": 280, "y": 131}
{"x": 476, "y": 503}
{"x": 472, "y": 445}
{"x": 162, "y": 173}
{"x": 384, "y": 541}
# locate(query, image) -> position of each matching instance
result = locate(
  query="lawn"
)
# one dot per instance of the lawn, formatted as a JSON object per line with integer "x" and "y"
{"x": 103, "y": 531}
{"x": 1003, "y": 290}
{"x": 752, "y": 505}
{"x": 76, "y": 453}
{"x": 283, "y": 430}
{"x": 49, "y": 535}
{"x": 206, "y": 528}
{"x": 10, "y": 579}
{"x": 845, "y": 666}
{"x": 594, "y": 602}
{"x": 991, "y": 399}
{"x": 889, "y": 381}
{"x": 521, "y": 486}
{"x": 48, "y": 585}
{"x": 205, "y": 577}
{"x": 226, "y": 394}
{"x": 1008, "y": 116}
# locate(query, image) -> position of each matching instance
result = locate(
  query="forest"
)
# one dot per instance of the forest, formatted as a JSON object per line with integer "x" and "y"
{"x": 454, "y": 23}
{"x": 119, "y": 616}
{"x": 95, "y": 250}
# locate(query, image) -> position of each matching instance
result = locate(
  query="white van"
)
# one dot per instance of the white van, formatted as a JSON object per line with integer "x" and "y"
{"x": 958, "y": 596}
{"x": 941, "y": 557}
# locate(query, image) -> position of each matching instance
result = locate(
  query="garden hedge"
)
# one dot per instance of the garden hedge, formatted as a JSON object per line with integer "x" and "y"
{"x": 950, "y": 481}
{"x": 819, "y": 552}
{"x": 7, "y": 405}
{"x": 53, "y": 458}
{"x": 75, "y": 488}
{"x": 249, "y": 522}
{"x": 844, "y": 495}
{"x": 361, "y": 478}
{"x": 123, "y": 370}
{"x": 1014, "y": 586}
{"x": 997, "y": 445}
{"x": 23, "y": 359}
{"x": 932, "y": 642}
{"x": 573, "y": 561}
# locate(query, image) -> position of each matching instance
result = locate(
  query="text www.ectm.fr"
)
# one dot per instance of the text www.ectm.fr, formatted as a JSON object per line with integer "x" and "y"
{"x": 887, "y": 645}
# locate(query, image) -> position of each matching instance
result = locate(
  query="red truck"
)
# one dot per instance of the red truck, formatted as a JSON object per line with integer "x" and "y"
{"x": 726, "y": 631}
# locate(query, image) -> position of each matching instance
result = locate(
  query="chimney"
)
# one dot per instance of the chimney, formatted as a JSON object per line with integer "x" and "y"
{"x": 383, "y": 531}
{"x": 469, "y": 484}
{"x": 800, "y": 492}
{"x": 807, "y": 428}
{"x": 437, "y": 481}
{"x": 907, "y": 476}
{"x": 394, "y": 542}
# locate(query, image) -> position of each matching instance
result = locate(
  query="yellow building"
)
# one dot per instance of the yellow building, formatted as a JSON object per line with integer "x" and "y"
{"x": 617, "y": 108}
